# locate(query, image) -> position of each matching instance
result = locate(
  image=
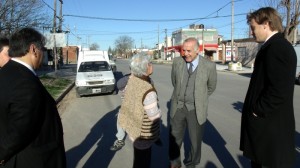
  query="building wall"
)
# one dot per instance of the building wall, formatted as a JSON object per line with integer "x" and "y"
{"x": 70, "y": 54}
{"x": 251, "y": 49}
{"x": 245, "y": 51}
{"x": 208, "y": 40}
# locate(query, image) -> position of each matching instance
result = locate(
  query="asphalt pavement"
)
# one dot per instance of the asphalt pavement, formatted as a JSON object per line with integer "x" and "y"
{"x": 69, "y": 71}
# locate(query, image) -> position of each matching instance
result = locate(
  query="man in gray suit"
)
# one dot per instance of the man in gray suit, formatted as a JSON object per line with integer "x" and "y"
{"x": 194, "y": 78}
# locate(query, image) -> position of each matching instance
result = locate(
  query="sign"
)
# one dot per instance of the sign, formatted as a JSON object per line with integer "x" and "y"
{"x": 58, "y": 38}
{"x": 228, "y": 54}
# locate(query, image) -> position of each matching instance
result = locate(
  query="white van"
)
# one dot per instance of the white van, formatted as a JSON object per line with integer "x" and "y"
{"x": 94, "y": 74}
{"x": 297, "y": 49}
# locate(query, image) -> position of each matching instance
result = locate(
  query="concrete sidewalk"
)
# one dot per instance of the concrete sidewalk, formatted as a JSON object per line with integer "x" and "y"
{"x": 219, "y": 66}
{"x": 67, "y": 72}
{"x": 224, "y": 68}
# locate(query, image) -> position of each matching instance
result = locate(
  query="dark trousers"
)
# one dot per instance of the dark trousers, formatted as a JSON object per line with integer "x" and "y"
{"x": 257, "y": 165}
{"x": 185, "y": 119}
{"x": 142, "y": 158}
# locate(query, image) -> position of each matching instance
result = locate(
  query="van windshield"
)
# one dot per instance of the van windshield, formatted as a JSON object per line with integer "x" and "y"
{"x": 94, "y": 66}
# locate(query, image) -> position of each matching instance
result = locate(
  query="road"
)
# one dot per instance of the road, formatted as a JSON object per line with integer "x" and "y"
{"x": 90, "y": 124}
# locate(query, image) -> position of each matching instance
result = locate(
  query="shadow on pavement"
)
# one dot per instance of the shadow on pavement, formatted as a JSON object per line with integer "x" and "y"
{"x": 239, "y": 107}
{"x": 159, "y": 156}
{"x": 102, "y": 133}
{"x": 213, "y": 139}
{"x": 297, "y": 139}
{"x": 246, "y": 74}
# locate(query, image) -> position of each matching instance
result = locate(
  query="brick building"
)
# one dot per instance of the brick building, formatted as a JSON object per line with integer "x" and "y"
{"x": 70, "y": 54}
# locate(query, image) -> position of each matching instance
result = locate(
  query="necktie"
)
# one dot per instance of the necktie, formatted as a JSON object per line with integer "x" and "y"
{"x": 190, "y": 71}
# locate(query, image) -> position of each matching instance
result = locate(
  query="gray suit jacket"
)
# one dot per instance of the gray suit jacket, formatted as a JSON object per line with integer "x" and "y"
{"x": 205, "y": 84}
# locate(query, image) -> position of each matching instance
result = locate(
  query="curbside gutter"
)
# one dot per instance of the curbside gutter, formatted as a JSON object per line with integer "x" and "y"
{"x": 65, "y": 93}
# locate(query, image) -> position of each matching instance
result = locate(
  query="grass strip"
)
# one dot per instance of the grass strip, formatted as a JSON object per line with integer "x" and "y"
{"x": 55, "y": 85}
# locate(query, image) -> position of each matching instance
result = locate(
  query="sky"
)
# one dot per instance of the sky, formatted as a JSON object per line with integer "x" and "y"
{"x": 148, "y": 22}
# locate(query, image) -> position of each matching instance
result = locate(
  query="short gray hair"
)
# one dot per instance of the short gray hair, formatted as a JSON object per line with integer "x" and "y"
{"x": 193, "y": 39}
{"x": 139, "y": 64}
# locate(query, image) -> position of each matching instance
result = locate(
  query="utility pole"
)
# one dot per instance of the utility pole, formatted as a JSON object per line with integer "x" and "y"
{"x": 60, "y": 50}
{"x": 203, "y": 52}
{"x": 60, "y": 16}
{"x": 232, "y": 31}
{"x": 166, "y": 47}
{"x": 158, "y": 52}
{"x": 67, "y": 53}
{"x": 54, "y": 31}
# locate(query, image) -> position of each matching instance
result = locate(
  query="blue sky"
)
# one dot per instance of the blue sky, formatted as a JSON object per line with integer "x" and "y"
{"x": 212, "y": 13}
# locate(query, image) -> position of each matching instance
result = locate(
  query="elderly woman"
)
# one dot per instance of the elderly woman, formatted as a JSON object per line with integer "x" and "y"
{"x": 140, "y": 114}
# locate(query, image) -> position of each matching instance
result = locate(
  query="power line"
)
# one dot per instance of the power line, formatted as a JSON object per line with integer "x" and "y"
{"x": 47, "y": 5}
{"x": 217, "y": 16}
{"x": 149, "y": 20}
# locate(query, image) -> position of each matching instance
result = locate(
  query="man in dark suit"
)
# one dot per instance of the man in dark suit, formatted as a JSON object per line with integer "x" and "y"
{"x": 194, "y": 79}
{"x": 268, "y": 123}
{"x": 31, "y": 133}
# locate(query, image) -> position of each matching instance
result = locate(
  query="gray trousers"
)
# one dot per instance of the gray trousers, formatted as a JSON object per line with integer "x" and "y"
{"x": 121, "y": 133}
{"x": 185, "y": 119}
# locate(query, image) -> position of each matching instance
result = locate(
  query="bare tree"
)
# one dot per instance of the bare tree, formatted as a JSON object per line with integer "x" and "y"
{"x": 123, "y": 44}
{"x": 15, "y": 14}
{"x": 94, "y": 46}
{"x": 290, "y": 12}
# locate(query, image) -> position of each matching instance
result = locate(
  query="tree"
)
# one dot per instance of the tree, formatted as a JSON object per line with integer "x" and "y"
{"x": 16, "y": 14}
{"x": 94, "y": 46}
{"x": 290, "y": 11}
{"x": 123, "y": 44}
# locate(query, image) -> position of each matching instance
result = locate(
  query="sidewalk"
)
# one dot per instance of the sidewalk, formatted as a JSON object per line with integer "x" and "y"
{"x": 66, "y": 71}
{"x": 219, "y": 66}
{"x": 224, "y": 68}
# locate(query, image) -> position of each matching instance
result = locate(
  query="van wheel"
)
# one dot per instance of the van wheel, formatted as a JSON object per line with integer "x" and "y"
{"x": 78, "y": 95}
{"x": 114, "y": 92}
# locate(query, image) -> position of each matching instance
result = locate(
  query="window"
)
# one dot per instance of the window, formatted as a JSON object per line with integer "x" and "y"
{"x": 242, "y": 51}
{"x": 94, "y": 66}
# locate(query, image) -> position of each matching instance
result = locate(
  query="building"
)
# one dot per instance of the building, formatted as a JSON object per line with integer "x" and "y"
{"x": 70, "y": 54}
{"x": 208, "y": 40}
{"x": 245, "y": 51}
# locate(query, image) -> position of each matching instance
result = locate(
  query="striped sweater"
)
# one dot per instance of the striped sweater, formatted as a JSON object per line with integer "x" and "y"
{"x": 139, "y": 114}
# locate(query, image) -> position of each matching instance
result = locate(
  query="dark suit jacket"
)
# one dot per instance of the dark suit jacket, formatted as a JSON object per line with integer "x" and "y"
{"x": 269, "y": 139}
{"x": 31, "y": 133}
{"x": 205, "y": 84}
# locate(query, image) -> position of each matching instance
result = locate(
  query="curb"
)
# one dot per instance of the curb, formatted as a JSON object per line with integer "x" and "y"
{"x": 235, "y": 72}
{"x": 65, "y": 93}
